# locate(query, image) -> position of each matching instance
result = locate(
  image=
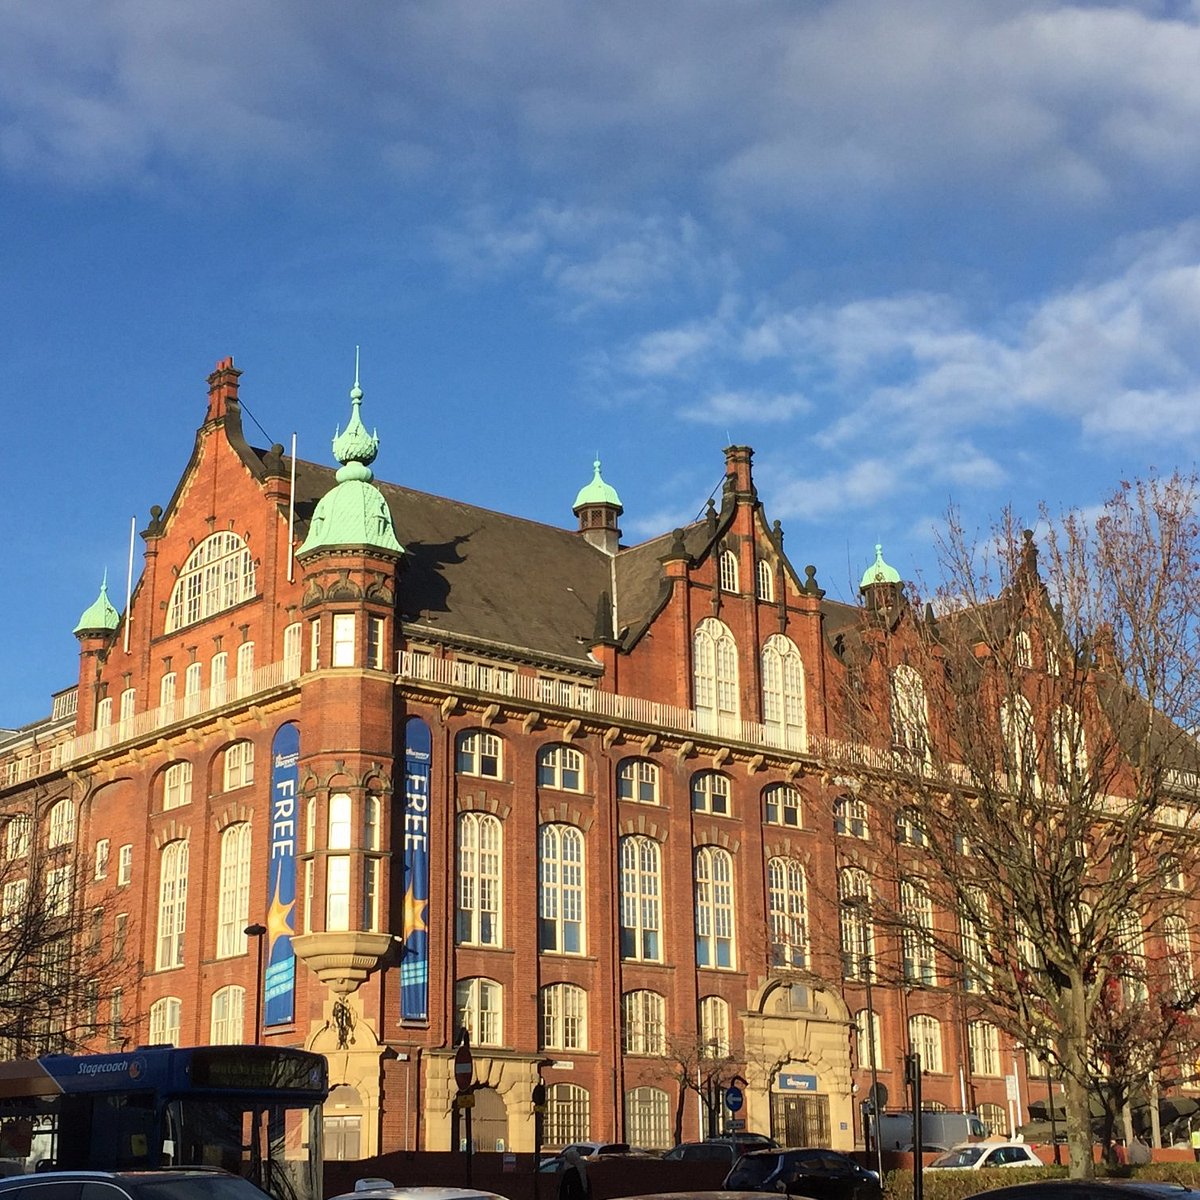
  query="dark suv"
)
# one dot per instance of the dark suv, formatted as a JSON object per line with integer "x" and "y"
{"x": 821, "y": 1174}
{"x": 180, "y": 1183}
{"x": 728, "y": 1148}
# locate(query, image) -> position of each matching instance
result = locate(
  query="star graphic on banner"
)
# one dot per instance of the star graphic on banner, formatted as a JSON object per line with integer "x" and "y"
{"x": 414, "y": 914}
{"x": 279, "y": 918}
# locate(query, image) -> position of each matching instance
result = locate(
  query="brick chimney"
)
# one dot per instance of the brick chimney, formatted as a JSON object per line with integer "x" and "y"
{"x": 222, "y": 389}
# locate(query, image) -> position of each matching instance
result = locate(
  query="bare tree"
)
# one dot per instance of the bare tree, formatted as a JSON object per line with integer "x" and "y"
{"x": 1041, "y": 779}
{"x": 699, "y": 1067}
{"x": 62, "y": 948}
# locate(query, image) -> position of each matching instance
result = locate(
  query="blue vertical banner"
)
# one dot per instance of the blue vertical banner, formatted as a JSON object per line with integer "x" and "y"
{"x": 414, "y": 960}
{"x": 279, "y": 994}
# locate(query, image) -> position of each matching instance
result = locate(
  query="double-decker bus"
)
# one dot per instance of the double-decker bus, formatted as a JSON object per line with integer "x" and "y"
{"x": 254, "y": 1110}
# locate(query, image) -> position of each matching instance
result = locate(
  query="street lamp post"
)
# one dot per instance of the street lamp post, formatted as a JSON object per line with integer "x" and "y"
{"x": 259, "y": 933}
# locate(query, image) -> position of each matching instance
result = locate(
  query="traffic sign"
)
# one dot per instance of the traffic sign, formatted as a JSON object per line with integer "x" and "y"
{"x": 733, "y": 1098}
{"x": 464, "y": 1067}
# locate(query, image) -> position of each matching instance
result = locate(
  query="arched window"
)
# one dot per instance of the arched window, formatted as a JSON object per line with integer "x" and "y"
{"x": 850, "y": 817}
{"x": 228, "y": 1007}
{"x": 715, "y": 676}
{"x": 788, "y": 916}
{"x": 1070, "y": 748}
{"x": 973, "y": 923}
{"x": 1179, "y": 955}
{"x": 765, "y": 579}
{"x": 910, "y": 716}
{"x": 729, "y": 571}
{"x": 218, "y": 574}
{"x": 564, "y": 1017}
{"x": 337, "y": 866}
{"x": 648, "y": 1118}
{"x": 1023, "y": 649}
{"x": 1131, "y": 951}
{"x": 239, "y": 765}
{"x": 857, "y": 933}
{"x": 641, "y": 899}
{"x": 910, "y": 828}
{"x": 1020, "y": 744}
{"x": 983, "y": 1046}
{"x": 867, "y": 1040}
{"x": 233, "y": 904}
{"x": 783, "y": 692}
{"x": 165, "y": 1017}
{"x": 643, "y": 1023}
{"x": 479, "y": 753}
{"x": 781, "y": 805}
{"x": 293, "y": 636}
{"x": 478, "y": 1010}
{"x": 637, "y": 779}
{"x": 714, "y": 1026}
{"x": 62, "y": 824}
{"x": 479, "y": 858}
{"x": 17, "y": 834}
{"x": 1171, "y": 869}
{"x": 994, "y": 1118}
{"x": 568, "y": 1116}
{"x": 560, "y": 767}
{"x": 172, "y": 904}
{"x": 714, "y": 907}
{"x": 710, "y": 793}
{"x": 925, "y": 1036}
{"x": 916, "y": 914}
{"x": 177, "y": 785}
{"x": 560, "y": 890}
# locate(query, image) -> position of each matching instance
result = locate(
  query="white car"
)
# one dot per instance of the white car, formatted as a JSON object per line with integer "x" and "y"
{"x": 383, "y": 1189}
{"x": 976, "y": 1156}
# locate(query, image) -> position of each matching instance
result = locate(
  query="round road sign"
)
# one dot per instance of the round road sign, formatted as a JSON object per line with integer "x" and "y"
{"x": 733, "y": 1098}
{"x": 464, "y": 1068}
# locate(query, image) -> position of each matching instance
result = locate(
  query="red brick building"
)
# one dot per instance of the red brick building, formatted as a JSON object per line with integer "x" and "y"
{"x": 571, "y": 794}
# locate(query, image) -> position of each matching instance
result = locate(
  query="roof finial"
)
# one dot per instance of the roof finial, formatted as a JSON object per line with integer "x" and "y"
{"x": 356, "y": 392}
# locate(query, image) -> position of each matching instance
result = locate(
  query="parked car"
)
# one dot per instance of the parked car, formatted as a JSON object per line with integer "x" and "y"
{"x": 557, "y": 1162}
{"x": 819, "y": 1174}
{"x": 1090, "y": 1189}
{"x": 975, "y": 1156}
{"x": 182, "y": 1183}
{"x": 727, "y": 1148}
{"x": 383, "y": 1189}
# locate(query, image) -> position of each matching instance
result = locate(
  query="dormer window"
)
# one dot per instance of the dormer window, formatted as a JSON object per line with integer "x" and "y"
{"x": 218, "y": 574}
{"x": 729, "y": 571}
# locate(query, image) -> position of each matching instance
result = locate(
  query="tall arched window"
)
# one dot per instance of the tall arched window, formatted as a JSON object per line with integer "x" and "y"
{"x": 228, "y": 1007}
{"x": 1179, "y": 955}
{"x": 714, "y": 907}
{"x": 337, "y": 866}
{"x": 715, "y": 675}
{"x": 714, "y": 1026}
{"x": 866, "y": 1039}
{"x": 648, "y": 1117}
{"x": 1020, "y": 744}
{"x": 857, "y": 933}
{"x": 172, "y": 904}
{"x": 218, "y": 574}
{"x": 564, "y": 1017}
{"x": 765, "y": 579}
{"x": 165, "y": 1015}
{"x": 560, "y": 889}
{"x": 983, "y": 1048}
{"x": 479, "y": 1010}
{"x": 729, "y": 571}
{"x": 925, "y": 1036}
{"x": 568, "y": 1115}
{"x": 916, "y": 914}
{"x": 910, "y": 715}
{"x": 783, "y": 692}
{"x": 1070, "y": 747}
{"x": 643, "y": 1023}
{"x": 62, "y": 824}
{"x": 789, "y": 922}
{"x": 479, "y": 857}
{"x": 233, "y": 904}
{"x": 641, "y": 899}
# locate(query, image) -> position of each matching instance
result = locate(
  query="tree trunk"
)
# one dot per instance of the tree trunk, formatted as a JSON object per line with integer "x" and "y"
{"x": 1077, "y": 1099}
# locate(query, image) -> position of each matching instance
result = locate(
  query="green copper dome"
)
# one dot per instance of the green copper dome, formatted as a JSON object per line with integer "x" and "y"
{"x": 100, "y": 616}
{"x": 354, "y": 513}
{"x": 879, "y": 571}
{"x": 597, "y": 492}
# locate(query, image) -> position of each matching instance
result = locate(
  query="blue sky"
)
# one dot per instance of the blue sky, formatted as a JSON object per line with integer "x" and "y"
{"x": 912, "y": 252}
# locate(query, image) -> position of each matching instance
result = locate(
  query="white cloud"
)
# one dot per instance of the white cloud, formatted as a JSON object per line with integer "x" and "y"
{"x": 729, "y": 408}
